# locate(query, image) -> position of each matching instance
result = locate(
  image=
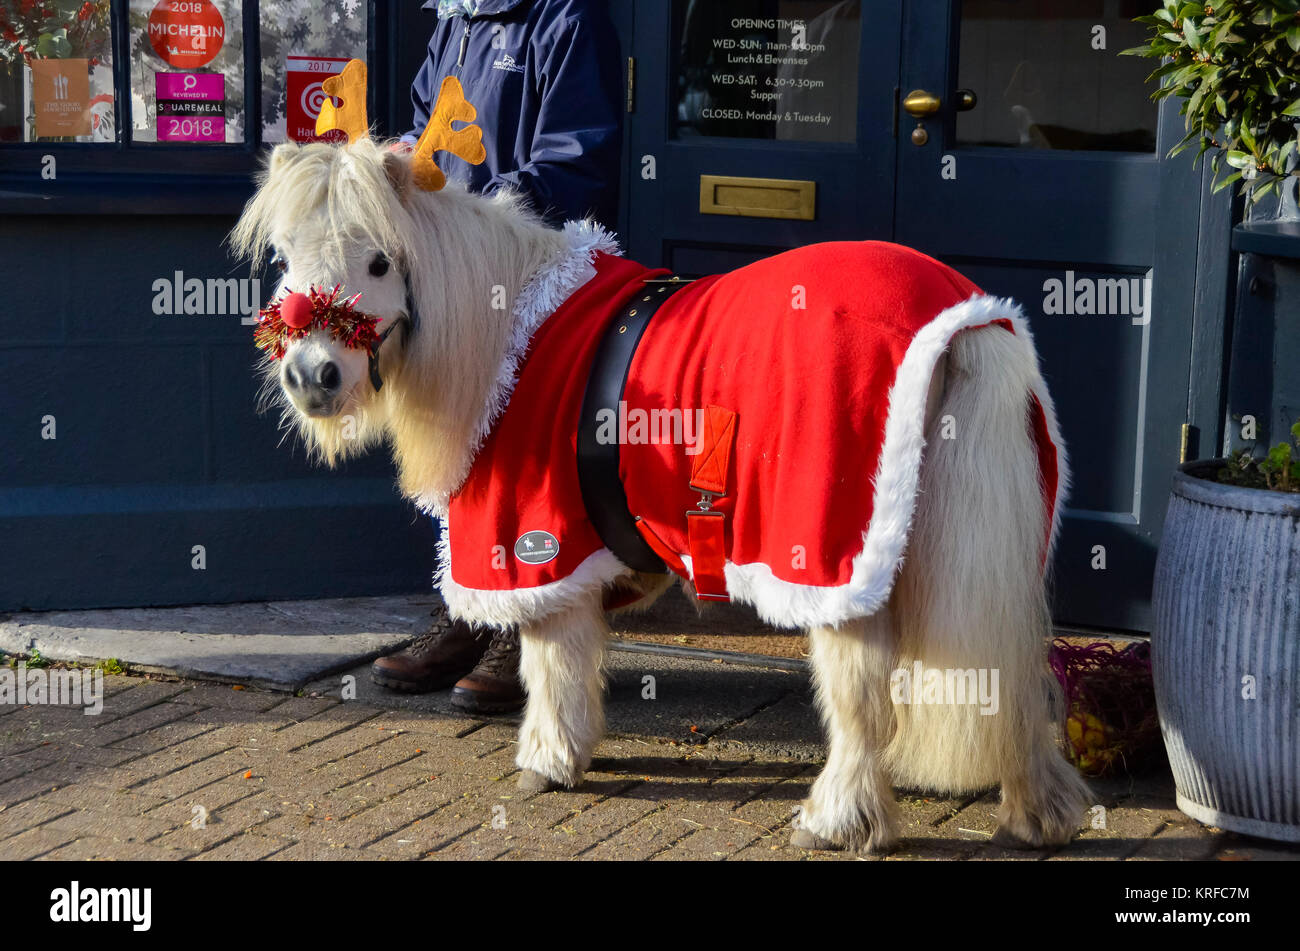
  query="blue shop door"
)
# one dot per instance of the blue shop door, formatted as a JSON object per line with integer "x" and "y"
{"x": 1039, "y": 175}
{"x": 757, "y": 127}
{"x": 1044, "y": 184}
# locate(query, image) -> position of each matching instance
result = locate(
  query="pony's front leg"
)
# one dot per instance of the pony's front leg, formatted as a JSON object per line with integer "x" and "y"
{"x": 562, "y": 665}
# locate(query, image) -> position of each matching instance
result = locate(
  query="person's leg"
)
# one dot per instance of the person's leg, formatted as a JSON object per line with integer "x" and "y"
{"x": 493, "y": 686}
{"x": 482, "y": 665}
{"x": 437, "y": 658}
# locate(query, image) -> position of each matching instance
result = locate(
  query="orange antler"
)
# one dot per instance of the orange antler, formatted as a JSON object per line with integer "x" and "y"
{"x": 439, "y": 136}
{"x": 349, "y": 118}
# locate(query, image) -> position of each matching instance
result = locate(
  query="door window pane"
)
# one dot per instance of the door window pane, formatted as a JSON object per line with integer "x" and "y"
{"x": 1048, "y": 75}
{"x": 187, "y": 71}
{"x": 774, "y": 69}
{"x": 56, "y": 72}
{"x": 304, "y": 42}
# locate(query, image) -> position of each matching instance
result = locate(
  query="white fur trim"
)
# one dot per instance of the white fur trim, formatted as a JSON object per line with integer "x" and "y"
{"x": 541, "y": 296}
{"x": 1063, "y": 474}
{"x": 785, "y": 603}
{"x": 505, "y": 608}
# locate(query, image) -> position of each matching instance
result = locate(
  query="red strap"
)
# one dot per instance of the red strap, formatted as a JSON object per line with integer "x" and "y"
{"x": 709, "y": 471}
{"x": 706, "y": 530}
{"x": 706, "y": 534}
{"x": 659, "y": 548}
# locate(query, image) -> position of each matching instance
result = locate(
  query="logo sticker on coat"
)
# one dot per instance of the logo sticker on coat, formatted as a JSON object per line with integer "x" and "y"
{"x": 536, "y": 548}
{"x": 507, "y": 64}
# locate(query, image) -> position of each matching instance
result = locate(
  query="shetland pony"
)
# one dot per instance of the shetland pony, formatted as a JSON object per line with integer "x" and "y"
{"x": 484, "y": 274}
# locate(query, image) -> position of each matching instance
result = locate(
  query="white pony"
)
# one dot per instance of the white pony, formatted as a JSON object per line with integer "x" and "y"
{"x": 484, "y": 275}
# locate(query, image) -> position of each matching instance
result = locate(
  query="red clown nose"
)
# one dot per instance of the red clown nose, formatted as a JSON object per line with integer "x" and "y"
{"x": 295, "y": 310}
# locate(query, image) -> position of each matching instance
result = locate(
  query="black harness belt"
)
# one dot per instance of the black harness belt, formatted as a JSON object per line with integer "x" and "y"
{"x": 602, "y": 488}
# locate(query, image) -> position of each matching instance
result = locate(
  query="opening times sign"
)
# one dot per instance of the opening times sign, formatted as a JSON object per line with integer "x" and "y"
{"x": 779, "y": 77}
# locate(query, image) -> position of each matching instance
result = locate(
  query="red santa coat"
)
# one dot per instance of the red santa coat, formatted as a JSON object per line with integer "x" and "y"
{"x": 807, "y": 349}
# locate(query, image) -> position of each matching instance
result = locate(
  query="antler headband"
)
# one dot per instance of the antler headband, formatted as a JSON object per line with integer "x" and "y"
{"x": 438, "y": 136}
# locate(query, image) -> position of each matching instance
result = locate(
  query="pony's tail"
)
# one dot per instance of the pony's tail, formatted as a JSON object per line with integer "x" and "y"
{"x": 971, "y": 594}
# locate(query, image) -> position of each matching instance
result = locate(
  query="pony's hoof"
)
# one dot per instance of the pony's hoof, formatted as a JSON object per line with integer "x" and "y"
{"x": 1005, "y": 839}
{"x": 531, "y": 782}
{"x": 803, "y": 839}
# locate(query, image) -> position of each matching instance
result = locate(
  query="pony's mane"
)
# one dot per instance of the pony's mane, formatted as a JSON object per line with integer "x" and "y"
{"x": 351, "y": 185}
{"x": 463, "y": 254}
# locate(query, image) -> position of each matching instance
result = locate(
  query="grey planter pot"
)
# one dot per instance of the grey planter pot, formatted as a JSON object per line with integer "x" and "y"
{"x": 1227, "y": 607}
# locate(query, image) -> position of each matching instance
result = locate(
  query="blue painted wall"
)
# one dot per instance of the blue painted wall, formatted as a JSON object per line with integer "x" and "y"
{"x": 158, "y": 445}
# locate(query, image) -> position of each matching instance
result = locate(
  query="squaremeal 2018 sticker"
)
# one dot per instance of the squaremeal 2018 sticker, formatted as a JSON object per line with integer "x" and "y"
{"x": 536, "y": 548}
{"x": 191, "y": 107}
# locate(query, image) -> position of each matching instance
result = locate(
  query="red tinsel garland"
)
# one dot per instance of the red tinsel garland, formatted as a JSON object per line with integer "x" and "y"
{"x": 344, "y": 322}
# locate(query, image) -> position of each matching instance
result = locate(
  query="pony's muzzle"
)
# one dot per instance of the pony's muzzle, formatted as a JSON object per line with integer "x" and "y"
{"x": 313, "y": 386}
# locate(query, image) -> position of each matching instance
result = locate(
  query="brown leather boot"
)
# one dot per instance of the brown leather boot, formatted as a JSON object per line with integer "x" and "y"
{"x": 493, "y": 686}
{"x": 435, "y": 660}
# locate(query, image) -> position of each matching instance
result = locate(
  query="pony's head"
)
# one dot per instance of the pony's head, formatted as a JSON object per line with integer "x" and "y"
{"x": 332, "y": 219}
{"x": 368, "y": 240}
{"x": 424, "y": 279}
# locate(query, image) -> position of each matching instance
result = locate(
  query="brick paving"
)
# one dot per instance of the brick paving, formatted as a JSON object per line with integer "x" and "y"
{"x": 175, "y": 770}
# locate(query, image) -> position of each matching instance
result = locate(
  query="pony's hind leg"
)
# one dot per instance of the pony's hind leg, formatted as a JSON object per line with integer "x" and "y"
{"x": 972, "y": 604}
{"x": 1042, "y": 793}
{"x": 561, "y": 662}
{"x": 851, "y": 804}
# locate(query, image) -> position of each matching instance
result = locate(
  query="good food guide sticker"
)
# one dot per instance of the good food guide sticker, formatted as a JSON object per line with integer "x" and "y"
{"x": 186, "y": 34}
{"x": 305, "y": 96}
{"x": 191, "y": 107}
{"x": 61, "y": 97}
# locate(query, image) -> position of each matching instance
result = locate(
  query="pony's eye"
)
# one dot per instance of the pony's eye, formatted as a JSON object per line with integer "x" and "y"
{"x": 379, "y": 266}
{"x": 279, "y": 263}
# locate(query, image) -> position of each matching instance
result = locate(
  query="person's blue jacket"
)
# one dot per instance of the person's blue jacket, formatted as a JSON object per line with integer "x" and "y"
{"x": 546, "y": 79}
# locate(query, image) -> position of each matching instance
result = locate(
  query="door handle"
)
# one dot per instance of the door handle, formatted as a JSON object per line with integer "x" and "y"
{"x": 920, "y": 104}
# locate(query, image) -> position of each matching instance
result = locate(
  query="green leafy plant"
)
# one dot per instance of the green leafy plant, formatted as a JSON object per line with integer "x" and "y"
{"x": 1236, "y": 65}
{"x": 111, "y": 666}
{"x": 34, "y": 659}
{"x": 1279, "y": 470}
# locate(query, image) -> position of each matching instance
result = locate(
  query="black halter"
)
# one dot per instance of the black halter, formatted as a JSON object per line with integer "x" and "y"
{"x": 411, "y": 320}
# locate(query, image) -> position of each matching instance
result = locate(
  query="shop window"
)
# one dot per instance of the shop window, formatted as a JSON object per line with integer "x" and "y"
{"x": 56, "y": 71}
{"x": 187, "y": 71}
{"x": 185, "y": 77}
{"x": 303, "y": 42}
{"x": 1048, "y": 75}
